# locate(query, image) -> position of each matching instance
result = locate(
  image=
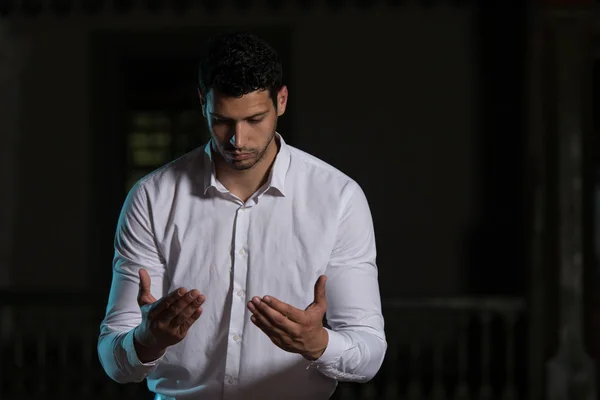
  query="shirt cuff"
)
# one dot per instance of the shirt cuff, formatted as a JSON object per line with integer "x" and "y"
{"x": 336, "y": 346}
{"x": 132, "y": 356}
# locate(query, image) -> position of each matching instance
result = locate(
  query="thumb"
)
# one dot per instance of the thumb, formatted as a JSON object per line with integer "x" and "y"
{"x": 144, "y": 295}
{"x": 320, "y": 292}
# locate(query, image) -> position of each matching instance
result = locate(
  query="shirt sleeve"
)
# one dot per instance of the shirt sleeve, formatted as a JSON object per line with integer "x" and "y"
{"x": 135, "y": 248}
{"x": 357, "y": 342}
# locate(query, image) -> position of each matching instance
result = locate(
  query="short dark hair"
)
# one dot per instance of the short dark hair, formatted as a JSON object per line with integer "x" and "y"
{"x": 239, "y": 63}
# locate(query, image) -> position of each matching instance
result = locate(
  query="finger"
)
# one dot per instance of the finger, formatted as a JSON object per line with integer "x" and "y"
{"x": 190, "y": 321}
{"x": 144, "y": 295}
{"x": 265, "y": 325}
{"x": 274, "y": 317}
{"x": 144, "y": 280}
{"x": 186, "y": 314}
{"x": 164, "y": 303}
{"x": 196, "y": 314}
{"x": 146, "y": 300}
{"x": 320, "y": 291}
{"x": 292, "y": 313}
{"x": 177, "y": 307}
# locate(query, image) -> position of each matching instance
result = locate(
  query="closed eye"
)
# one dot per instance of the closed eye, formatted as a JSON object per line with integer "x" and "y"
{"x": 217, "y": 121}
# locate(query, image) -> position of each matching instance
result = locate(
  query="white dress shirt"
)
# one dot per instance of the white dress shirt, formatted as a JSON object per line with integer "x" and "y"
{"x": 187, "y": 230}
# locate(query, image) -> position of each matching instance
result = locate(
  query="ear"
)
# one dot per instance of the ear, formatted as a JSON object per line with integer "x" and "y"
{"x": 202, "y": 102}
{"x": 282, "y": 97}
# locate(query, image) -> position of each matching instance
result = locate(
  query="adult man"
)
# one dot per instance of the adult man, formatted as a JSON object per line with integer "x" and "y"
{"x": 268, "y": 239}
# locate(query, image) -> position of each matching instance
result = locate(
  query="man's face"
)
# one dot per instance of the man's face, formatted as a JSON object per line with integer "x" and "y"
{"x": 242, "y": 128}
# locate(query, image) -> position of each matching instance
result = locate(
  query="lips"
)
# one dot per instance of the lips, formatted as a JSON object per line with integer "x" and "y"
{"x": 240, "y": 156}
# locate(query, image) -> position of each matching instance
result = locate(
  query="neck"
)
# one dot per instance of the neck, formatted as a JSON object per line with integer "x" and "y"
{"x": 244, "y": 183}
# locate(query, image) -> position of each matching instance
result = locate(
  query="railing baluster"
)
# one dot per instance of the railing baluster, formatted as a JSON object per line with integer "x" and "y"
{"x": 63, "y": 356}
{"x": 109, "y": 390}
{"x": 3, "y": 388}
{"x": 462, "y": 388}
{"x": 86, "y": 352}
{"x": 391, "y": 366}
{"x": 369, "y": 391}
{"x": 438, "y": 391}
{"x": 346, "y": 391}
{"x": 19, "y": 384}
{"x": 486, "y": 387}
{"x": 510, "y": 390}
{"x": 5, "y": 336}
{"x": 415, "y": 389}
{"x": 41, "y": 360}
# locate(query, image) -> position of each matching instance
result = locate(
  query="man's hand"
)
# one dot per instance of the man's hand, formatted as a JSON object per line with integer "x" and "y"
{"x": 166, "y": 321}
{"x": 290, "y": 328}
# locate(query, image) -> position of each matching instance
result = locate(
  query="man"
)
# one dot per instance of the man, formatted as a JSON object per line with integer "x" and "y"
{"x": 228, "y": 259}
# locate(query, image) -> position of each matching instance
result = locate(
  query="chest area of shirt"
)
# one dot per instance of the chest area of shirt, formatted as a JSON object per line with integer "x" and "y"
{"x": 277, "y": 245}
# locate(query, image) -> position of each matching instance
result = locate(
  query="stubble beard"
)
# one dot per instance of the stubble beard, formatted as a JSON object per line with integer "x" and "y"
{"x": 247, "y": 164}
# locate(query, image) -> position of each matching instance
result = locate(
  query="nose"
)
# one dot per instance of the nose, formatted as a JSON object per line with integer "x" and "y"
{"x": 238, "y": 139}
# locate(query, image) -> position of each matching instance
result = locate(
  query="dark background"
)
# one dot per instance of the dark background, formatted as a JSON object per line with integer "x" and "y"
{"x": 428, "y": 104}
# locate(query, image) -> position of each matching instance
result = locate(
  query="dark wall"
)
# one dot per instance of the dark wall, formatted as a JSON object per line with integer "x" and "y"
{"x": 421, "y": 105}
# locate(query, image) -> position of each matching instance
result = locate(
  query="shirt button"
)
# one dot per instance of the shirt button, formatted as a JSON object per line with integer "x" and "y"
{"x": 230, "y": 380}
{"x": 242, "y": 252}
{"x": 240, "y": 293}
{"x": 236, "y": 337}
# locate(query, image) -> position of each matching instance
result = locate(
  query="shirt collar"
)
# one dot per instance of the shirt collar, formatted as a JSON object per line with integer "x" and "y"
{"x": 276, "y": 178}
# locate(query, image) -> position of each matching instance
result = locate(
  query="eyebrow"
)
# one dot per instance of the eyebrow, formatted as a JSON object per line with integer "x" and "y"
{"x": 260, "y": 114}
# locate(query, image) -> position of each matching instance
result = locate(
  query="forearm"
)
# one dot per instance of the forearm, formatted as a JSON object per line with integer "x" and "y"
{"x": 357, "y": 340}
{"x": 352, "y": 356}
{"x": 135, "y": 248}
{"x": 120, "y": 360}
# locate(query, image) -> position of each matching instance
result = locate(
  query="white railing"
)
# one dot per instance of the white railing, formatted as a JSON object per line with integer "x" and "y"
{"x": 438, "y": 349}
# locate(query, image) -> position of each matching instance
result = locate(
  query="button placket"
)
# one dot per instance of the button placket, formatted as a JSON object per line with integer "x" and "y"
{"x": 238, "y": 307}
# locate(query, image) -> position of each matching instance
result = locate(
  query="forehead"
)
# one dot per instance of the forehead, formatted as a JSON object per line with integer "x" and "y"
{"x": 238, "y": 107}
